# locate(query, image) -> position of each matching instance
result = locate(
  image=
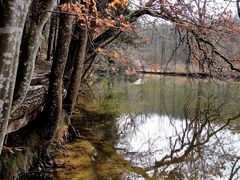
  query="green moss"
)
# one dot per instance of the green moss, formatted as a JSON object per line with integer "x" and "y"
{"x": 77, "y": 160}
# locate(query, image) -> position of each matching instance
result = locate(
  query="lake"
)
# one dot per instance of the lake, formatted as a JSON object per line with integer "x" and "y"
{"x": 157, "y": 127}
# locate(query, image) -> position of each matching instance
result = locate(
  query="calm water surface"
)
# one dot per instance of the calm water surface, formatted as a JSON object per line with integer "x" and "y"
{"x": 155, "y": 128}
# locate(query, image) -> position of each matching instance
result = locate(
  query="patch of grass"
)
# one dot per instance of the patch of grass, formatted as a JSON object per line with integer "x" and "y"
{"x": 12, "y": 165}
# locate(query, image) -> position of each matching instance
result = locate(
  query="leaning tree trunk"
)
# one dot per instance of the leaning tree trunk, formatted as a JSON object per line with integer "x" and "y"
{"x": 53, "y": 108}
{"x": 12, "y": 19}
{"x": 73, "y": 89}
{"x": 29, "y": 52}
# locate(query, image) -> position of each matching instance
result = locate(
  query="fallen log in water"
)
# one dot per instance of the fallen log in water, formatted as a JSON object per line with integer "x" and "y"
{"x": 194, "y": 75}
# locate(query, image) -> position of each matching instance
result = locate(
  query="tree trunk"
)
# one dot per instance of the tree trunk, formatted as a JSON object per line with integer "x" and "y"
{"x": 53, "y": 108}
{"x": 72, "y": 56}
{"x": 29, "y": 52}
{"x": 238, "y": 7}
{"x": 12, "y": 19}
{"x": 52, "y": 36}
{"x": 73, "y": 89}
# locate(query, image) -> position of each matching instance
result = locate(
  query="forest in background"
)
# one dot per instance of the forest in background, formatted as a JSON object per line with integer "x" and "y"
{"x": 49, "y": 48}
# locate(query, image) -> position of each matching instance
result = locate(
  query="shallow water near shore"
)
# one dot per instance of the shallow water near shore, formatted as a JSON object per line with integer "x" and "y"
{"x": 156, "y": 128}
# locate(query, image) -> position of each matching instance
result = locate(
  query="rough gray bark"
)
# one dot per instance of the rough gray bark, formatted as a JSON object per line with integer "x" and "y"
{"x": 34, "y": 99}
{"x": 76, "y": 74}
{"x": 29, "y": 108}
{"x": 53, "y": 108}
{"x": 29, "y": 52}
{"x": 12, "y": 19}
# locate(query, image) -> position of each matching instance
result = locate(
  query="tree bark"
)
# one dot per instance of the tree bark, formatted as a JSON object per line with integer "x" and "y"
{"x": 53, "y": 108}
{"x": 12, "y": 19}
{"x": 52, "y": 36}
{"x": 73, "y": 89}
{"x": 238, "y": 7}
{"x": 29, "y": 52}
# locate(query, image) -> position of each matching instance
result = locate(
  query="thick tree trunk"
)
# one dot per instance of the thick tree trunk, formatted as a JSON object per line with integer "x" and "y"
{"x": 73, "y": 89}
{"x": 29, "y": 52}
{"x": 53, "y": 108}
{"x": 12, "y": 18}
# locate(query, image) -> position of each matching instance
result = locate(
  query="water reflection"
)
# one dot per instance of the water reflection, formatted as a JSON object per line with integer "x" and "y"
{"x": 163, "y": 128}
{"x": 175, "y": 148}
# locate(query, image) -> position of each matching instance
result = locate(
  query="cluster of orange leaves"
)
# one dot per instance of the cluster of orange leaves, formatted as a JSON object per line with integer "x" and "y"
{"x": 87, "y": 13}
{"x": 118, "y": 56}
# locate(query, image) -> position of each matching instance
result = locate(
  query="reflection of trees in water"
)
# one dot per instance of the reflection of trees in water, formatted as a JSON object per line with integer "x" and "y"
{"x": 202, "y": 146}
{"x": 196, "y": 150}
{"x": 163, "y": 95}
{"x": 169, "y": 95}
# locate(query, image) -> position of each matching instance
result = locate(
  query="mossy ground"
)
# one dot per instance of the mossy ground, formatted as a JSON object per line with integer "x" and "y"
{"x": 76, "y": 162}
